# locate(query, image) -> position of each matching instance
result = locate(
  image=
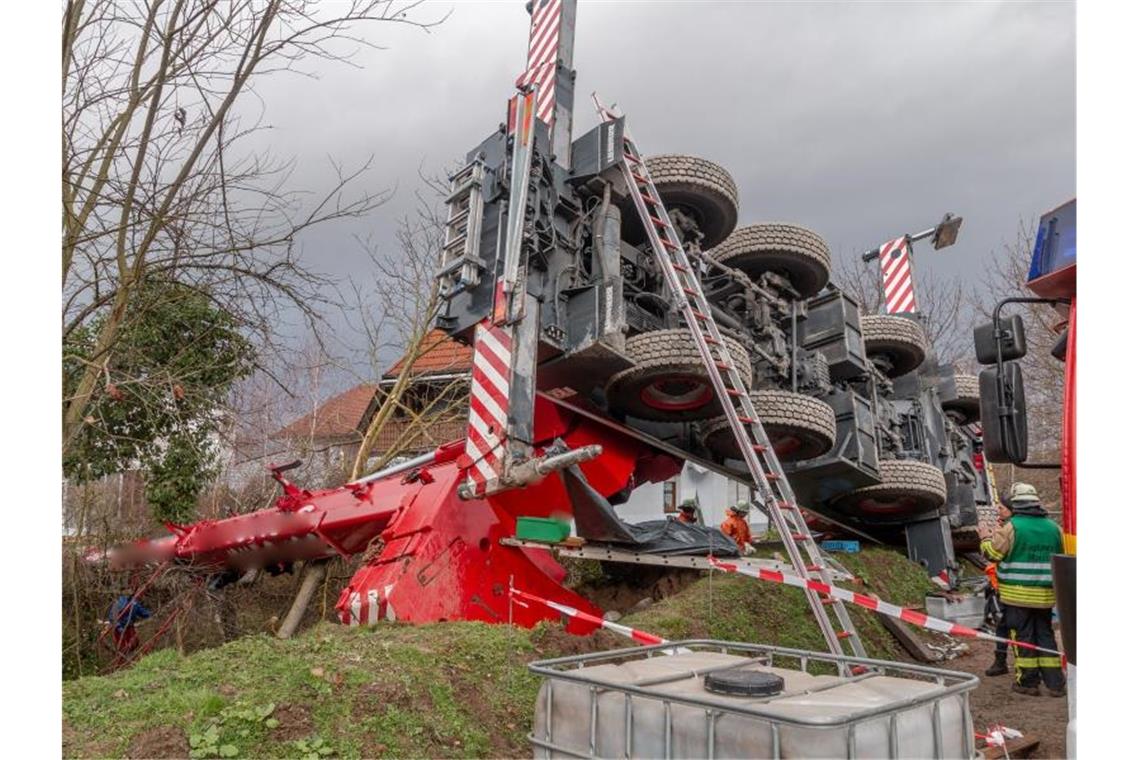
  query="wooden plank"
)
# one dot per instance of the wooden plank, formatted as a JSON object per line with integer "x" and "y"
{"x": 905, "y": 636}
{"x": 1022, "y": 747}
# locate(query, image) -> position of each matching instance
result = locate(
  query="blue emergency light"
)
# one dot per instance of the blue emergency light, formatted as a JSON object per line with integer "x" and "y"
{"x": 1053, "y": 269}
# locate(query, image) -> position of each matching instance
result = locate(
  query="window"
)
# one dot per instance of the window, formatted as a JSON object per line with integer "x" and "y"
{"x": 670, "y": 496}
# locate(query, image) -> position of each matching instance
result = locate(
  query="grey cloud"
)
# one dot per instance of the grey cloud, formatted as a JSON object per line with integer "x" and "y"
{"x": 860, "y": 120}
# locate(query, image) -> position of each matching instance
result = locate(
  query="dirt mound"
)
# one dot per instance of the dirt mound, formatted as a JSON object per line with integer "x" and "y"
{"x": 162, "y": 742}
{"x": 623, "y": 588}
{"x": 550, "y": 642}
{"x": 293, "y": 722}
{"x": 441, "y": 690}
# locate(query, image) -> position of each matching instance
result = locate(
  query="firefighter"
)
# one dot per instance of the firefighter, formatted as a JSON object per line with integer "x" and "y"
{"x": 688, "y": 513}
{"x": 736, "y": 527}
{"x": 1023, "y": 548}
{"x": 995, "y": 610}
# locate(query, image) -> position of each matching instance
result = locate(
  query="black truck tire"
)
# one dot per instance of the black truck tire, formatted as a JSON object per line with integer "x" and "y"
{"x": 907, "y": 488}
{"x": 795, "y": 252}
{"x": 668, "y": 381}
{"x": 966, "y": 539}
{"x": 898, "y": 340}
{"x": 799, "y": 427}
{"x": 964, "y": 400}
{"x": 700, "y": 188}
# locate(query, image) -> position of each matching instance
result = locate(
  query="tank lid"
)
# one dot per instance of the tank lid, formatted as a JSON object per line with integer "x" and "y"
{"x": 744, "y": 683}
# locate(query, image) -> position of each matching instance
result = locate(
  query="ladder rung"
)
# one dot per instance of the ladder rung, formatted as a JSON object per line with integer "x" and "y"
{"x": 678, "y": 269}
{"x": 459, "y": 189}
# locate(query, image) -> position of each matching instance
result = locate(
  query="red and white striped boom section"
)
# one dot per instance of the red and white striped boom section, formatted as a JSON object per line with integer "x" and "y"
{"x": 898, "y": 288}
{"x": 542, "y": 55}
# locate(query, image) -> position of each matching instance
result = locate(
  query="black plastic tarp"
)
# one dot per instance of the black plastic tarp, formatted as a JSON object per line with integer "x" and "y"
{"x": 595, "y": 520}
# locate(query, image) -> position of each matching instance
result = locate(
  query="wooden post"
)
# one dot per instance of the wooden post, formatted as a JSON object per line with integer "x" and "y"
{"x": 314, "y": 574}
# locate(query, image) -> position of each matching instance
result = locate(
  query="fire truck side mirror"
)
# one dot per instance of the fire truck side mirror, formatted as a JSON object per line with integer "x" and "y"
{"x": 1004, "y": 420}
{"x": 1012, "y": 330}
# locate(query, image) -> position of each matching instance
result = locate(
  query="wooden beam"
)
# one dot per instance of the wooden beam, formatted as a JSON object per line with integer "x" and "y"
{"x": 1022, "y": 747}
{"x": 905, "y": 636}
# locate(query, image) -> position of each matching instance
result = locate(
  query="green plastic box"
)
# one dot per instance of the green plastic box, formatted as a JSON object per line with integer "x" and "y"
{"x": 543, "y": 529}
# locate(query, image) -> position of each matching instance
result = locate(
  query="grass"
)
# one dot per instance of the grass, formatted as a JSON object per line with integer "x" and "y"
{"x": 441, "y": 690}
{"x": 744, "y": 609}
{"x": 437, "y": 690}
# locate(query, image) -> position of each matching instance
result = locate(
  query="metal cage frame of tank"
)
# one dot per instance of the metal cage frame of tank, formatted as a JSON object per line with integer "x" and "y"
{"x": 562, "y": 668}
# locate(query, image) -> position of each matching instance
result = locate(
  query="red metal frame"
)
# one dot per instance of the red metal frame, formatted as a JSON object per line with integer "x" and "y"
{"x": 1069, "y": 436}
{"x": 441, "y": 557}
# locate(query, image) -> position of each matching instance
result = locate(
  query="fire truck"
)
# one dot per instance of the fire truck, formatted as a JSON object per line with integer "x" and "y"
{"x": 999, "y": 343}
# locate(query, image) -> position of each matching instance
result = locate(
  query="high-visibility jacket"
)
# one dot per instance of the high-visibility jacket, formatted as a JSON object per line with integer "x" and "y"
{"x": 1023, "y": 549}
{"x": 736, "y": 528}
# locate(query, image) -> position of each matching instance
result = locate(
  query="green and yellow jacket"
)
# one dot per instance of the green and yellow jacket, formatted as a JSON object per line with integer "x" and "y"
{"x": 1023, "y": 549}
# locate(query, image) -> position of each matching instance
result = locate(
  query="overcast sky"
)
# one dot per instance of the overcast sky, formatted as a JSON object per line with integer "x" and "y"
{"x": 860, "y": 120}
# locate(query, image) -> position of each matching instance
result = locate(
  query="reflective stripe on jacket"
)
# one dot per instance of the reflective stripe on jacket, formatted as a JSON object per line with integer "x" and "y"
{"x": 1023, "y": 549}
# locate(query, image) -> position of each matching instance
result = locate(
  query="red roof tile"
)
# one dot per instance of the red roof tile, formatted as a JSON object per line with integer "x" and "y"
{"x": 439, "y": 432}
{"x": 440, "y": 355}
{"x": 336, "y": 419}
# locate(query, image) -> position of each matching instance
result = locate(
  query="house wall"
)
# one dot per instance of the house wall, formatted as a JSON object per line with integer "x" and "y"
{"x": 713, "y": 492}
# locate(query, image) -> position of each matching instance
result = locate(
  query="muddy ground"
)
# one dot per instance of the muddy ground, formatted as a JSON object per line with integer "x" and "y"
{"x": 994, "y": 702}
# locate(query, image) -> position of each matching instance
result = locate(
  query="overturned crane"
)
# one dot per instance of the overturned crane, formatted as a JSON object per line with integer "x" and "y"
{"x": 622, "y": 324}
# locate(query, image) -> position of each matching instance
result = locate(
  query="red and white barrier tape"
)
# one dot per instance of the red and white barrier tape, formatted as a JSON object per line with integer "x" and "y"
{"x": 640, "y": 637}
{"x": 913, "y": 617}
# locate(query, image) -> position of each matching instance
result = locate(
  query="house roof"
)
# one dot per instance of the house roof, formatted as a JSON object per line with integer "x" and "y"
{"x": 338, "y": 418}
{"x": 441, "y": 354}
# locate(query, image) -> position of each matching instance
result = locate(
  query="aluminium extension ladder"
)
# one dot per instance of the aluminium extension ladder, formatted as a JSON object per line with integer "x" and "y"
{"x": 757, "y": 452}
{"x": 459, "y": 260}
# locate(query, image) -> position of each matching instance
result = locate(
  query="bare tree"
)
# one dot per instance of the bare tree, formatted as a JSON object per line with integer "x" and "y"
{"x": 399, "y": 313}
{"x": 940, "y": 305}
{"x": 159, "y": 176}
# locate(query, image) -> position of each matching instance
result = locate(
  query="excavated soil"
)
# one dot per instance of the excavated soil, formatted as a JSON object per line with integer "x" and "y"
{"x": 294, "y": 722}
{"x": 625, "y": 588}
{"x": 162, "y": 742}
{"x": 994, "y": 702}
